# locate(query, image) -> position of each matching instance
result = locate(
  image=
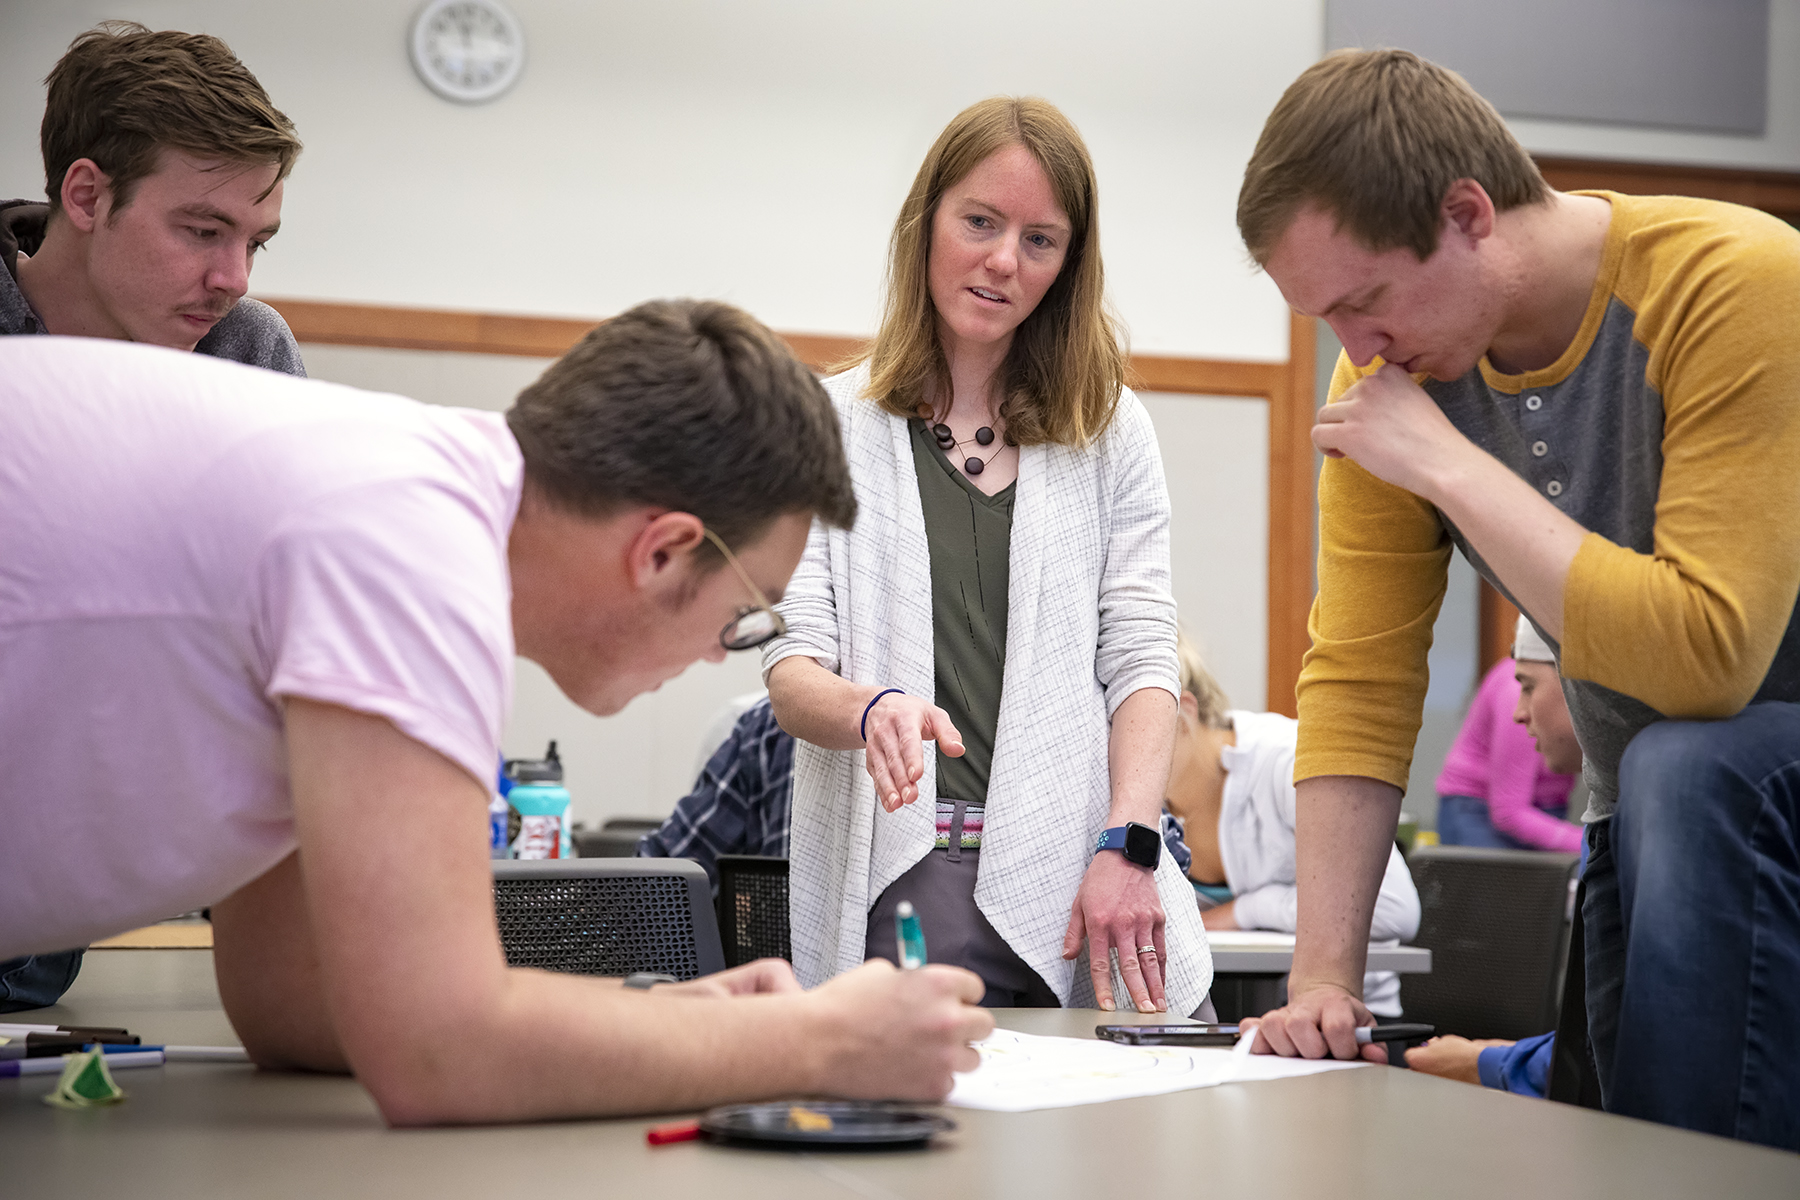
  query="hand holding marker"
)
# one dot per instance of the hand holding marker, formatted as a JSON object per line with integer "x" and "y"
{"x": 909, "y": 945}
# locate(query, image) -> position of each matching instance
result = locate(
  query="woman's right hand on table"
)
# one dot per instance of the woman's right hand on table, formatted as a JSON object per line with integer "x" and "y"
{"x": 898, "y": 727}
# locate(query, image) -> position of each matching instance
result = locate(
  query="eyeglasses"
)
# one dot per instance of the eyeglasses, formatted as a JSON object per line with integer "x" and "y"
{"x": 754, "y": 625}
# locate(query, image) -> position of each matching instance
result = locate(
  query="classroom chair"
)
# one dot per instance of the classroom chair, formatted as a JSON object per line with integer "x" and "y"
{"x": 617, "y": 838}
{"x": 753, "y": 908}
{"x": 607, "y": 916}
{"x": 1497, "y": 925}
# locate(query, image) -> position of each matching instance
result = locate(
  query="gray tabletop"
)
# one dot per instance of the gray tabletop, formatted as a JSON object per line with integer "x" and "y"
{"x": 190, "y": 1130}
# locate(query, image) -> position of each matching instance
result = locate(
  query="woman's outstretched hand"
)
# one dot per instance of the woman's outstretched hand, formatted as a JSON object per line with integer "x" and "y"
{"x": 898, "y": 726}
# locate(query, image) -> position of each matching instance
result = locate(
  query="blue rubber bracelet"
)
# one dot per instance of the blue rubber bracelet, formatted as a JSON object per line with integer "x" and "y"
{"x": 871, "y": 704}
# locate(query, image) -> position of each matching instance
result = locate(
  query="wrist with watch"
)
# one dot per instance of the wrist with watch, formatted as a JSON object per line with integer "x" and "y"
{"x": 648, "y": 979}
{"x": 1141, "y": 844}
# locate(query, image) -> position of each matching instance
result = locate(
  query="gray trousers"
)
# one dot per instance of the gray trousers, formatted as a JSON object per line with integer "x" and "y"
{"x": 942, "y": 891}
{"x": 941, "y": 887}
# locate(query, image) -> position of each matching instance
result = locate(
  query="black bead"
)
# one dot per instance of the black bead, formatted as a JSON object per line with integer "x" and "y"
{"x": 984, "y": 435}
{"x": 942, "y": 433}
{"x": 973, "y": 466}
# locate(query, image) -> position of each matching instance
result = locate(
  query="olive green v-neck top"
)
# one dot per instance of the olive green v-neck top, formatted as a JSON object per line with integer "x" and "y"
{"x": 970, "y": 537}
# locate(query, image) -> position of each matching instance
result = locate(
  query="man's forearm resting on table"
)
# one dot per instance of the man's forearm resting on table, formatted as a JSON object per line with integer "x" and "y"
{"x": 439, "y": 1029}
{"x": 1344, "y": 828}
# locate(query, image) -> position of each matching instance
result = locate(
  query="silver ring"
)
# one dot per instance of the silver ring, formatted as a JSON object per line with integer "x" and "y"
{"x": 1147, "y": 950}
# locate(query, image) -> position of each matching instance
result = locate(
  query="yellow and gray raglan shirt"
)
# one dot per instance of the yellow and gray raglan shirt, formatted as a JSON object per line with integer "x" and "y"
{"x": 1670, "y": 429}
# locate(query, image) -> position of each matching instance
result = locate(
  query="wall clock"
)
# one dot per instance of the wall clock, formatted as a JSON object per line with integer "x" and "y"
{"x": 467, "y": 50}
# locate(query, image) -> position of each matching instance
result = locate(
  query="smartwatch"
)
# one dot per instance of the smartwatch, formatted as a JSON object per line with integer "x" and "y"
{"x": 648, "y": 979}
{"x": 1141, "y": 844}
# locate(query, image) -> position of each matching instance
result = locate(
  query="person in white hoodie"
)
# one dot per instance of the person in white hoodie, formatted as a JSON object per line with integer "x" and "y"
{"x": 1231, "y": 786}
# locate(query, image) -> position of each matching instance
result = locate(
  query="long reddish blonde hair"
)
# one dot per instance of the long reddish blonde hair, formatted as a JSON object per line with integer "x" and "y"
{"x": 1061, "y": 379}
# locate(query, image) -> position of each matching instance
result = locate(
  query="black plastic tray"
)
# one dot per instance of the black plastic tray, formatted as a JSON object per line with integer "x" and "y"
{"x": 854, "y": 1124}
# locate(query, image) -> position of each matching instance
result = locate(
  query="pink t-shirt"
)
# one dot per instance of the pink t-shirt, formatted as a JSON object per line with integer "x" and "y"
{"x": 183, "y": 543}
{"x": 1494, "y": 758}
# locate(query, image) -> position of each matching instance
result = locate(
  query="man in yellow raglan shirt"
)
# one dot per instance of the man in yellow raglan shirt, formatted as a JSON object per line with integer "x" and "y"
{"x": 1596, "y": 398}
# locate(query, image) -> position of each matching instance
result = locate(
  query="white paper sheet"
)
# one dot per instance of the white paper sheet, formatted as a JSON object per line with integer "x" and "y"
{"x": 1022, "y": 1071}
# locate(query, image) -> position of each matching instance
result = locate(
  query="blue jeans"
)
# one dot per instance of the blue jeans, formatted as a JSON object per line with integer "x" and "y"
{"x": 1692, "y": 916}
{"x": 1465, "y": 821}
{"x": 37, "y": 980}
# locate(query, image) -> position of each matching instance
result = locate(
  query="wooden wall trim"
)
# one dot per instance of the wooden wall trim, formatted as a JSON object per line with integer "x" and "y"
{"x": 1287, "y": 387}
{"x": 394, "y": 328}
{"x": 428, "y": 328}
{"x": 1776, "y": 192}
{"x": 1205, "y": 376}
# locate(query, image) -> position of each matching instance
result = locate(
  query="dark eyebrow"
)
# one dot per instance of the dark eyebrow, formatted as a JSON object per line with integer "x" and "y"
{"x": 206, "y": 212}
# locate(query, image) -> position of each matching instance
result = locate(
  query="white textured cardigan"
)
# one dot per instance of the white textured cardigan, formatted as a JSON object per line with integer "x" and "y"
{"x": 1090, "y": 620}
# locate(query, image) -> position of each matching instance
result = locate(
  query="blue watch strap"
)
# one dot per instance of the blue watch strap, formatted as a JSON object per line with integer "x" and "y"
{"x": 1140, "y": 844}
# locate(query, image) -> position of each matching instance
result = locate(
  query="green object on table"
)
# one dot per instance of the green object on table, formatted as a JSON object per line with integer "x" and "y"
{"x": 85, "y": 1082}
{"x": 1406, "y": 832}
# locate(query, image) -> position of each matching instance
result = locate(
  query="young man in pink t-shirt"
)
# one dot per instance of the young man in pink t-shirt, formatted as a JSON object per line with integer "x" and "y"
{"x": 257, "y": 636}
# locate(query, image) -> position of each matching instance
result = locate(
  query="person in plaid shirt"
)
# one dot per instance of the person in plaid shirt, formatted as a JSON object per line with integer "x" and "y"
{"x": 740, "y": 802}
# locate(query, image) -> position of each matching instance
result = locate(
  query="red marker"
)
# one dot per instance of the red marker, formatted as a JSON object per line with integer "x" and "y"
{"x": 662, "y": 1135}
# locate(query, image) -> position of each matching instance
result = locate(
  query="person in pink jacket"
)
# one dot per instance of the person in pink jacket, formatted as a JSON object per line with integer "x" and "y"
{"x": 1496, "y": 789}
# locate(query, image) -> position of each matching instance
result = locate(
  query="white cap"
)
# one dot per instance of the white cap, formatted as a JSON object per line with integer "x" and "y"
{"x": 1528, "y": 646}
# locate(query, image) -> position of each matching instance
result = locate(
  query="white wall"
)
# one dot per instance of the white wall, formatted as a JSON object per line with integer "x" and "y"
{"x": 1216, "y": 456}
{"x": 754, "y": 152}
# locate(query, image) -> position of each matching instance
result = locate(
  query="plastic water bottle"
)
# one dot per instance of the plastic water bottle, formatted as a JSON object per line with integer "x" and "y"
{"x": 543, "y": 806}
{"x": 500, "y": 817}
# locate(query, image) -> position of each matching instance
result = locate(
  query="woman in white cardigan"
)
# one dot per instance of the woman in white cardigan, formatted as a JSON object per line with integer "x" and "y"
{"x": 1004, "y": 594}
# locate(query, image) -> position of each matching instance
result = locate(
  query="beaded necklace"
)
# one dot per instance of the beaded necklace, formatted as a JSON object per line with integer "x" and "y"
{"x": 947, "y": 441}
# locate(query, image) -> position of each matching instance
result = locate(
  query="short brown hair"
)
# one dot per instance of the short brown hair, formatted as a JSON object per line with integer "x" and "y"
{"x": 122, "y": 94}
{"x": 1061, "y": 379}
{"x": 687, "y": 405}
{"x": 1376, "y": 137}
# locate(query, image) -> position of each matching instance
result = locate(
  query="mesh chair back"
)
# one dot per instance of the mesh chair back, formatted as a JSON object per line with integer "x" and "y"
{"x": 607, "y": 916}
{"x": 1497, "y": 924}
{"x": 753, "y": 908}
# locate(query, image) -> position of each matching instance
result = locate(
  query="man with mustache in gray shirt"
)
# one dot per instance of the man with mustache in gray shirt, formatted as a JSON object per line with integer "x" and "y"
{"x": 163, "y": 165}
